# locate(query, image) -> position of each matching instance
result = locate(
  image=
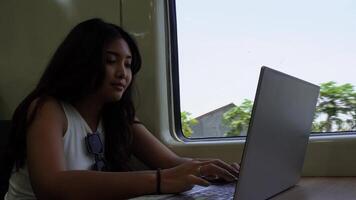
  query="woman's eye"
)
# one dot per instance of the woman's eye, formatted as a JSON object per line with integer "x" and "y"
{"x": 128, "y": 65}
{"x": 110, "y": 61}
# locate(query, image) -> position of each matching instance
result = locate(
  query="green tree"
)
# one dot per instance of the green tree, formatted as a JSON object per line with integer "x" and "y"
{"x": 238, "y": 118}
{"x": 187, "y": 122}
{"x": 337, "y": 104}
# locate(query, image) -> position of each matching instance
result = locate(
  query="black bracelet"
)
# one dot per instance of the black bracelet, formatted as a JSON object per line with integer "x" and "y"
{"x": 158, "y": 181}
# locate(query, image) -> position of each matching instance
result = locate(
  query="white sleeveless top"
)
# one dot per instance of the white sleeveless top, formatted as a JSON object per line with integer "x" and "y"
{"x": 75, "y": 153}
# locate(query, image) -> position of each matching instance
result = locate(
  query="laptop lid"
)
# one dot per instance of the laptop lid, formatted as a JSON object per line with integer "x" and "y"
{"x": 278, "y": 134}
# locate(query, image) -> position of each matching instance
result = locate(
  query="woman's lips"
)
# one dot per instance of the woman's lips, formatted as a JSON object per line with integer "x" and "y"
{"x": 118, "y": 86}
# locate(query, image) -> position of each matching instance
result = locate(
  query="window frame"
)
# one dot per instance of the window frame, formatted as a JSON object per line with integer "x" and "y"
{"x": 173, "y": 37}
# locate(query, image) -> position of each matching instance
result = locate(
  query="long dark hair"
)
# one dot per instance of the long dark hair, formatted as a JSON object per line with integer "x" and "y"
{"x": 77, "y": 69}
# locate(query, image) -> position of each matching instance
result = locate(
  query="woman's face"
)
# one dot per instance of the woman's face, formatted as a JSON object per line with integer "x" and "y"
{"x": 118, "y": 74}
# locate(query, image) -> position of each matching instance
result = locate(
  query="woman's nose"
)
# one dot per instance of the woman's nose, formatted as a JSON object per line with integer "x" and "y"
{"x": 121, "y": 71}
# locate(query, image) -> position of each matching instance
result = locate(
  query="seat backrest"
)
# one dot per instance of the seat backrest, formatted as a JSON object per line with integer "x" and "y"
{"x": 4, "y": 170}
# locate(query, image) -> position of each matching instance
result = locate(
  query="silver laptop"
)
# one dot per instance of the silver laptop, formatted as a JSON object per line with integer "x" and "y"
{"x": 276, "y": 142}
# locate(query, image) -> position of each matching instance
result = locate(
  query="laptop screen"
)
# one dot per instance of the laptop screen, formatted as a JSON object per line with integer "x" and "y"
{"x": 278, "y": 134}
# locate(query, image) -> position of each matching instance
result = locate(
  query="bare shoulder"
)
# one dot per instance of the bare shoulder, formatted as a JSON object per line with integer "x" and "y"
{"x": 47, "y": 109}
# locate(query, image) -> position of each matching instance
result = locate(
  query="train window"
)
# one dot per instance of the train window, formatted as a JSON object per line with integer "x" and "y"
{"x": 221, "y": 46}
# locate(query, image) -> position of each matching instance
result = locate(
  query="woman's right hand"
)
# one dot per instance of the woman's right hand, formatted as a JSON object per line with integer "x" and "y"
{"x": 183, "y": 177}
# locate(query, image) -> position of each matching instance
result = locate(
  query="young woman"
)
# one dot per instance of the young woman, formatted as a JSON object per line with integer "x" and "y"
{"x": 72, "y": 137}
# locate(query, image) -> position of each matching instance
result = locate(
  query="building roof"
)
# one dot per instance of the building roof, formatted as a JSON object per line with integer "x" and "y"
{"x": 230, "y": 105}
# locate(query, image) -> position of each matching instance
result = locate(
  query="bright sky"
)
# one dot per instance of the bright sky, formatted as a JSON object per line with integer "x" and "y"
{"x": 222, "y": 45}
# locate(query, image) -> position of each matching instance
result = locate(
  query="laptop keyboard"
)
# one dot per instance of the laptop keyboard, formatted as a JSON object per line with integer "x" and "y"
{"x": 213, "y": 192}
